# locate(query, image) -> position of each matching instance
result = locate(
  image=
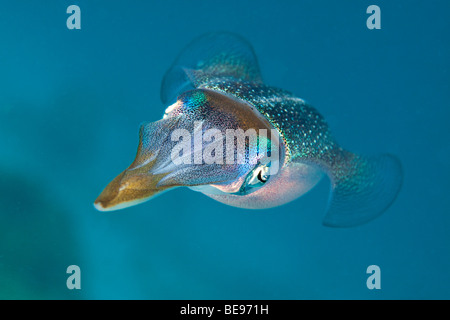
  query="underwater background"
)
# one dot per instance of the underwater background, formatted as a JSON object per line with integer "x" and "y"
{"x": 71, "y": 102}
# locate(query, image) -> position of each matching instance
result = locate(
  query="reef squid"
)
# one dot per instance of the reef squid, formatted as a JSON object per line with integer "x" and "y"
{"x": 282, "y": 146}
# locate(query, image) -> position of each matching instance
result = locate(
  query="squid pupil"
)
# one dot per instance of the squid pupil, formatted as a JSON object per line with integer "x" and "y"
{"x": 260, "y": 177}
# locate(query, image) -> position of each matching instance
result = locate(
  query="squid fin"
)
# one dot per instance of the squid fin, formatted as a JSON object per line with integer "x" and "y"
{"x": 213, "y": 55}
{"x": 362, "y": 188}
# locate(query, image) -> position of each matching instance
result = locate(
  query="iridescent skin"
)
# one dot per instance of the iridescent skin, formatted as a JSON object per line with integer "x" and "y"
{"x": 216, "y": 80}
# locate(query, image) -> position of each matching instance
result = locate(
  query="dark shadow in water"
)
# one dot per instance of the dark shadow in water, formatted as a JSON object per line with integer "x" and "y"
{"x": 36, "y": 243}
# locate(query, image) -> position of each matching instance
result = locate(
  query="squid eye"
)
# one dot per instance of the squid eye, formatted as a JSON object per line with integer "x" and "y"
{"x": 255, "y": 179}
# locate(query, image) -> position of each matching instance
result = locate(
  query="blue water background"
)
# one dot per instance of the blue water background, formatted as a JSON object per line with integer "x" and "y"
{"x": 71, "y": 102}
